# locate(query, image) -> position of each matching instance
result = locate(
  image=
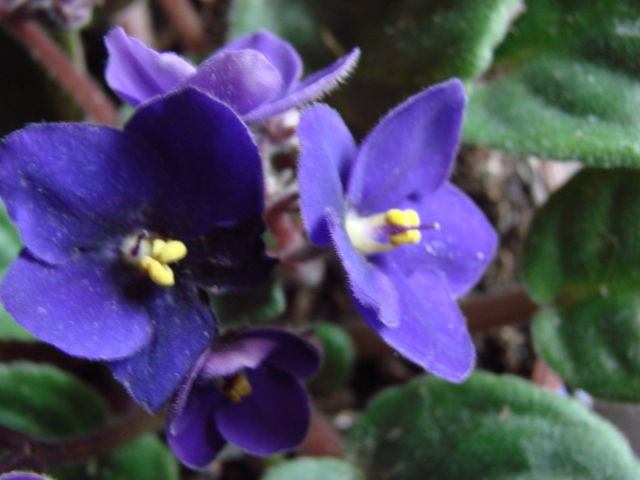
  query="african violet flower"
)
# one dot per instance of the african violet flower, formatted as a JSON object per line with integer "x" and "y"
{"x": 257, "y": 75}
{"x": 409, "y": 240}
{"x": 245, "y": 390}
{"x": 122, "y": 228}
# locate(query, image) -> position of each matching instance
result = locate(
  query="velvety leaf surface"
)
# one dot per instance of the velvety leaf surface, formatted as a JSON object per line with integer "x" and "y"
{"x": 580, "y": 259}
{"x": 338, "y": 357}
{"x": 488, "y": 428}
{"x": 313, "y": 469}
{"x": 567, "y": 84}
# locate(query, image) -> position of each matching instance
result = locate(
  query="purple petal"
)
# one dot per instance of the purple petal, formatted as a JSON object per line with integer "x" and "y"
{"x": 327, "y": 152}
{"x": 273, "y": 418}
{"x": 291, "y": 353}
{"x": 411, "y": 150}
{"x": 432, "y": 331}
{"x": 137, "y": 73}
{"x": 311, "y": 88}
{"x": 183, "y": 328}
{"x": 209, "y": 157}
{"x": 70, "y": 186}
{"x": 242, "y": 79}
{"x": 193, "y": 435}
{"x": 235, "y": 352}
{"x": 463, "y": 246}
{"x": 279, "y": 52}
{"x": 22, "y": 476}
{"x": 370, "y": 285}
{"x": 77, "y": 306}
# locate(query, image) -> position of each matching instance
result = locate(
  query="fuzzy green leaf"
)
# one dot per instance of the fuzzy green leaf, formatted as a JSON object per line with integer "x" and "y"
{"x": 488, "y": 428}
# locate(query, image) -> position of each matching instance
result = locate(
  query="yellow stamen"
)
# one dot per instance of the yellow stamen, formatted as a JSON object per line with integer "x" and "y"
{"x": 364, "y": 231}
{"x": 156, "y": 248}
{"x": 404, "y": 238}
{"x": 172, "y": 251}
{"x": 402, "y": 218}
{"x": 160, "y": 273}
{"x": 237, "y": 387}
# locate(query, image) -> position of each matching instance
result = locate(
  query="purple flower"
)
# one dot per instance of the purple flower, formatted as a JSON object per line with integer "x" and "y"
{"x": 257, "y": 75}
{"x": 122, "y": 228}
{"x": 22, "y": 476}
{"x": 245, "y": 390}
{"x": 409, "y": 241}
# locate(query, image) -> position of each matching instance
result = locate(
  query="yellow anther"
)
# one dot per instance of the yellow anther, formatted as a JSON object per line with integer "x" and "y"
{"x": 237, "y": 387}
{"x": 160, "y": 273}
{"x": 172, "y": 251}
{"x": 404, "y": 238}
{"x": 402, "y": 218}
{"x": 156, "y": 248}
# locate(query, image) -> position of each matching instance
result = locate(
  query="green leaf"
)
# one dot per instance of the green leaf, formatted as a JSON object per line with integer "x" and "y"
{"x": 257, "y": 306}
{"x": 338, "y": 357}
{"x": 313, "y": 469}
{"x": 486, "y": 429}
{"x": 566, "y": 85}
{"x": 580, "y": 258}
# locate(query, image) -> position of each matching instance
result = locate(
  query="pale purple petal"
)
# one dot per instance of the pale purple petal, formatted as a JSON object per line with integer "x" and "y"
{"x": 70, "y": 186}
{"x": 311, "y": 88}
{"x": 78, "y": 306}
{"x": 137, "y": 73}
{"x": 273, "y": 418}
{"x": 22, "y": 476}
{"x": 242, "y": 79}
{"x": 193, "y": 435}
{"x": 235, "y": 352}
{"x": 369, "y": 284}
{"x": 278, "y": 51}
{"x": 183, "y": 326}
{"x": 327, "y": 152}
{"x": 432, "y": 331}
{"x": 212, "y": 165}
{"x": 411, "y": 150}
{"x": 460, "y": 249}
{"x": 291, "y": 354}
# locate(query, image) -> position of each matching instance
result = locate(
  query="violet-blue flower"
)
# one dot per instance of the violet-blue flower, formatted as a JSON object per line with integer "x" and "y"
{"x": 257, "y": 75}
{"x": 409, "y": 241}
{"x": 122, "y": 228}
{"x": 244, "y": 390}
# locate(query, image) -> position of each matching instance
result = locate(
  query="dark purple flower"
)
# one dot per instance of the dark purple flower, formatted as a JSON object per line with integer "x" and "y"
{"x": 244, "y": 390}
{"x": 22, "y": 476}
{"x": 122, "y": 228}
{"x": 409, "y": 241}
{"x": 257, "y": 75}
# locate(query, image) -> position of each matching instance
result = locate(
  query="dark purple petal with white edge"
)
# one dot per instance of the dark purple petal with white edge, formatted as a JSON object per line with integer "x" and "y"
{"x": 137, "y": 73}
{"x": 192, "y": 434}
{"x": 278, "y": 51}
{"x": 291, "y": 353}
{"x": 311, "y": 88}
{"x": 432, "y": 331}
{"x": 273, "y": 418}
{"x": 242, "y": 79}
{"x": 411, "y": 150}
{"x": 78, "y": 306}
{"x": 326, "y": 155}
{"x": 461, "y": 248}
{"x": 369, "y": 284}
{"x": 70, "y": 186}
{"x": 183, "y": 327}
{"x": 210, "y": 159}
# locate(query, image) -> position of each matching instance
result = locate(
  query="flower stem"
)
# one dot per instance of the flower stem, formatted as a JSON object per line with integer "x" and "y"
{"x": 85, "y": 91}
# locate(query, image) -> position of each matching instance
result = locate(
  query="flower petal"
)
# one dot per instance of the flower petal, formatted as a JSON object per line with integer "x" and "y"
{"x": 311, "y": 88}
{"x": 209, "y": 158}
{"x": 78, "y": 306}
{"x": 461, "y": 248}
{"x": 279, "y": 52}
{"x": 184, "y": 326}
{"x": 291, "y": 353}
{"x": 327, "y": 152}
{"x": 235, "y": 352}
{"x": 410, "y": 151}
{"x": 137, "y": 73}
{"x": 241, "y": 79}
{"x": 70, "y": 186}
{"x": 370, "y": 285}
{"x": 432, "y": 330}
{"x": 273, "y": 418}
{"x": 193, "y": 435}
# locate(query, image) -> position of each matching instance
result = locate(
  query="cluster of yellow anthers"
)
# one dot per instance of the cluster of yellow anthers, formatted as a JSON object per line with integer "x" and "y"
{"x": 403, "y": 218}
{"x": 155, "y": 264}
{"x": 235, "y": 388}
